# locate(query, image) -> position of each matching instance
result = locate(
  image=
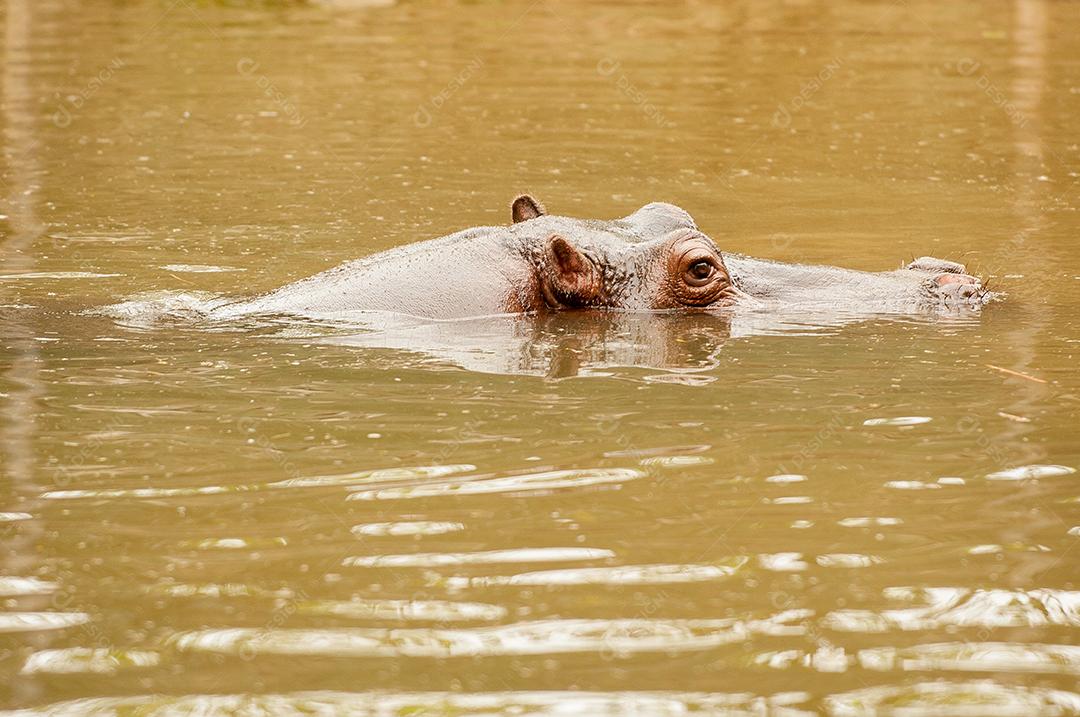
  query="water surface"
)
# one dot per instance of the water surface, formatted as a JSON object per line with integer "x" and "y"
{"x": 609, "y": 514}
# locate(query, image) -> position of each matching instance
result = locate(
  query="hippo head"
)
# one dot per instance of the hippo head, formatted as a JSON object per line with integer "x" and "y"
{"x": 653, "y": 259}
{"x": 948, "y": 285}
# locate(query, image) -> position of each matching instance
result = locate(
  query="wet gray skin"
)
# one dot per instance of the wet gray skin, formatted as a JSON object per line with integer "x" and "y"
{"x": 653, "y": 259}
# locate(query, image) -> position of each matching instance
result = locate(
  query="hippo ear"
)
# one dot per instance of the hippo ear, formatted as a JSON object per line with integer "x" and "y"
{"x": 574, "y": 278}
{"x": 526, "y": 207}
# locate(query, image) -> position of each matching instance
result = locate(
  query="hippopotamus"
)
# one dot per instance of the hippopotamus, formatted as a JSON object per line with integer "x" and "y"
{"x": 655, "y": 259}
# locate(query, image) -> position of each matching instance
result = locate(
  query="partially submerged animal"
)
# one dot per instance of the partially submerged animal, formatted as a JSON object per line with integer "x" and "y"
{"x": 653, "y": 259}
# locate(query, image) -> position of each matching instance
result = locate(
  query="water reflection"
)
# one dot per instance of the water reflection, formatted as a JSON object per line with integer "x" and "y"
{"x": 86, "y": 660}
{"x": 948, "y": 657}
{"x": 32, "y": 622}
{"x": 848, "y": 560}
{"x": 404, "y": 610}
{"x": 382, "y": 484}
{"x": 522, "y": 483}
{"x": 495, "y": 703}
{"x": 941, "y": 699}
{"x": 542, "y": 637}
{"x": 1031, "y": 472}
{"x": 407, "y": 527}
{"x": 216, "y": 591}
{"x": 556, "y": 345}
{"x": 613, "y": 575}
{"x": 11, "y": 585}
{"x": 963, "y": 607}
{"x": 975, "y": 657}
{"x": 484, "y": 557}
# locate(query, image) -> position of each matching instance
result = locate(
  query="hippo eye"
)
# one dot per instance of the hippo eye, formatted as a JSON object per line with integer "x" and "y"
{"x": 696, "y": 274}
{"x": 700, "y": 272}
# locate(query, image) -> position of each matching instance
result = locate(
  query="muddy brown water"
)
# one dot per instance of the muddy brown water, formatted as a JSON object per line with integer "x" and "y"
{"x": 583, "y": 515}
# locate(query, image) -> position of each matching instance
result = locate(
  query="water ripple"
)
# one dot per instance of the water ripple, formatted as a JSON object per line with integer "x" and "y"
{"x": 410, "y": 527}
{"x": 677, "y": 461}
{"x": 87, "y": 660}
{"x": 866, "y": 522}
{"x": 14, "y": 517}
{"x": 217, "y": 591}
{"x": 827, "y": 658}
{"x": 380, "y": 704}
{"x": 12, "y": 586}
{"x": 234, "y": 543}
{"x": 941, "y": 699}
{"x": 199, "y": 268}
{"x": 911, "y": 485}
{"x": 897, "y": 421}
{"x": 976, "y": 657}
{"x": 948, "y": 656}
{"x": 529, "y": 482}
{"x": 782, "y": 562}
{"x": 35, "y": 621}
{"x": 378, "y": 475}
{"x": 848, "y": 560}
{"x": 55, "y": 275}
{"x": 473, "y": 485}
{"x": 541, "y": 637}
{"x": 483, "y": 557}
{"x": 963, "y": 607}
{"x": 404, "y": 610}
{"x": 786, "y": 478}
{"x": 617, "y": 575}
{"x": 1032, "y": 471}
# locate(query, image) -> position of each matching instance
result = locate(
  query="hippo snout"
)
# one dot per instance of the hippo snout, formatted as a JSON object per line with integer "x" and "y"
{"x": 958, "y": 288}
{"x": 948, "y": 283}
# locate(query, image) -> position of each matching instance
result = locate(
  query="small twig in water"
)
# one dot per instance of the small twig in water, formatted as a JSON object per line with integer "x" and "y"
{"x": 182, "y": 280}
{"x": 1015, "y": 373}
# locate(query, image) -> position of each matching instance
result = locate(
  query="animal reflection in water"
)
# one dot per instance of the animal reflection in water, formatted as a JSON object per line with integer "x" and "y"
{"x": 556, "y": 345}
